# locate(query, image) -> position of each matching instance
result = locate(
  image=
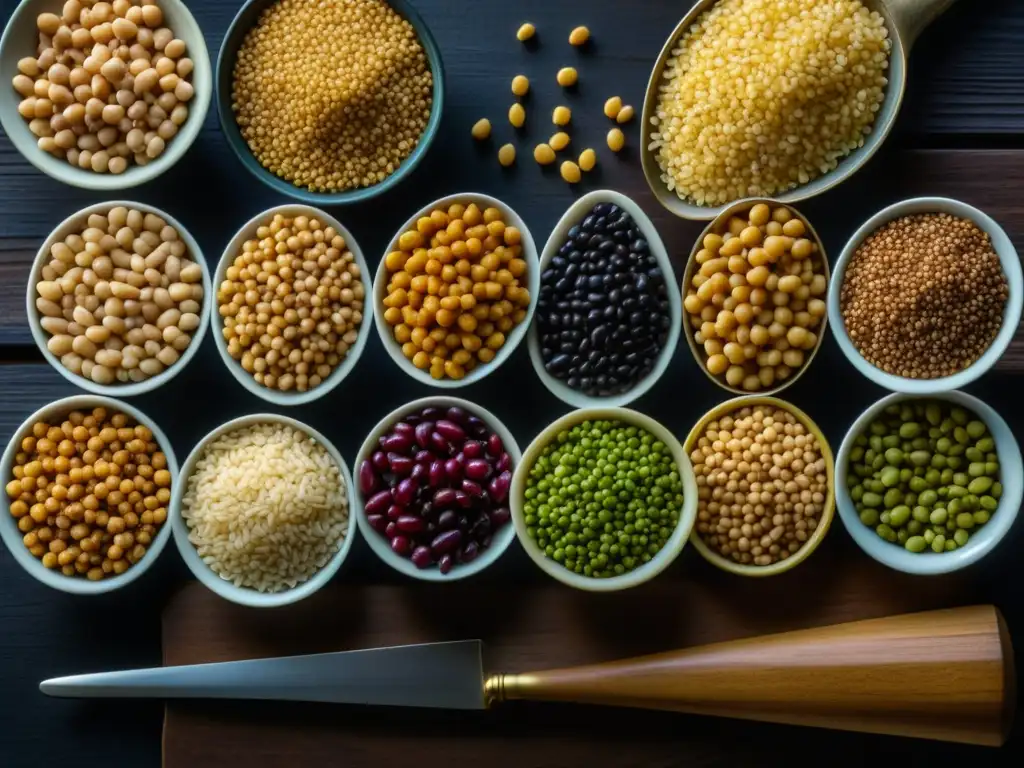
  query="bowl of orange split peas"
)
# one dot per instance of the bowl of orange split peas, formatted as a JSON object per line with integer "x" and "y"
{"x": 456, "y": 289}
{"x": 754, "y": 294}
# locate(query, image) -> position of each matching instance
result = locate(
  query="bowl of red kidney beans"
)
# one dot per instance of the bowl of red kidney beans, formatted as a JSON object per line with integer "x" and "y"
{"x": 432, "y": 486}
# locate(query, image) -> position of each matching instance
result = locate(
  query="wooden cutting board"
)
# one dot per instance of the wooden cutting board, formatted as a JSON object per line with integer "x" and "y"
{"x": 526, "y": 627}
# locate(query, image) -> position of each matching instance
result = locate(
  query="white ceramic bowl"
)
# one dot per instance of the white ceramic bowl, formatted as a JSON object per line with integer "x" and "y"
{"x": 12, "y": 537}
{"x": 1011, "y": 316}
{"x": 673, "y": 547}
{"x": 576, "y": 213}
{"x": 380, "y": 284}
{"x": 501, "y": 540}
{"x": 20, "y": 39}
{"x": 245, "y": 595}
{"x": 983, "y": 540}
{"x": 76, "y": 223}
{"x": 248, "y": 232}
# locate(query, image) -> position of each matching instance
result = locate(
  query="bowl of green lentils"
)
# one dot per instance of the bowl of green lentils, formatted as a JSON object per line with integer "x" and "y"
{"x": 604, "y": 499}
{"x": 929, "y": 485}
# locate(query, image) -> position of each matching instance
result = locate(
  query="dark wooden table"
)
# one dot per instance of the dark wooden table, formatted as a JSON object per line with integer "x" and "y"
{"x": 959, "y": 135}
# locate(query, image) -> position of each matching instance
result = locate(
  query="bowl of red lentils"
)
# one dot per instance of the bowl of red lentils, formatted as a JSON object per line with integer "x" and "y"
{"x": 926, "y": 296}
{"x": 88, "y": 483}
{"x": 456, "y": 289}
{"x": 290, "y": 315}
{"x": 765, "y": 485}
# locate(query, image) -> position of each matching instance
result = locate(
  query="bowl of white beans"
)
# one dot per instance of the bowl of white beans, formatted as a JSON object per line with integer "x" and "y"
{"x": 103, "y": 95}
{"x": 116, "y": 298}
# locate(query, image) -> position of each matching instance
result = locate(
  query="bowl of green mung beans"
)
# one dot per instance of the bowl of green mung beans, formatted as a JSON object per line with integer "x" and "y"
{"x": 929, "y": 485}
{"x": 604, "y": 499}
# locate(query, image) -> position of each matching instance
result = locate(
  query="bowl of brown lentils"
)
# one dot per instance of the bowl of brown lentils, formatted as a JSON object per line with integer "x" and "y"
{"x": 88, "y": 483}
{"x": 103, "y": 95}
{"x": 765, "y": 486}
{"x": 353, "y": 111}
{"x": 926, "y": 295}
{"x": 116, "y": 298}
{"x": 291, "y": 315}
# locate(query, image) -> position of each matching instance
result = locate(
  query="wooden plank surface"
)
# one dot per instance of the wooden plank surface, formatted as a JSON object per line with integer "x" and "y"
{"x": 964, "y": 107}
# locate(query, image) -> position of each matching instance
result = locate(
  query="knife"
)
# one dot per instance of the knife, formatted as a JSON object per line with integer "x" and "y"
{"x": 944, "y": 675}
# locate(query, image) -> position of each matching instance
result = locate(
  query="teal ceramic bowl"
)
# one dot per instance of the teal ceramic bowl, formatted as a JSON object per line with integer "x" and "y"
{"x": 246, "y": 18}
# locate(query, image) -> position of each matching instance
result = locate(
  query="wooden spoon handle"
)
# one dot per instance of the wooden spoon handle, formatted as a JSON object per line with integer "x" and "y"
{"x": 944, "y": 675}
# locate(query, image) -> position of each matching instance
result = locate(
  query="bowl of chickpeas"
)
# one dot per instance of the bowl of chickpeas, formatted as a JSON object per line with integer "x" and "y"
{"x": 291, "y": 315}
{"x": 88, "y": 483}
{"x": 754, "y": 296}
{"x": 115, "y": 298}
{"x": 103, "y": 95}
{"x": 456, "y": 290}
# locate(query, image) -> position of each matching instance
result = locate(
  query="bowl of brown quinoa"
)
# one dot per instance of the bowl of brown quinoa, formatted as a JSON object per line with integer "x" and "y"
{"x": 926, "y": 296}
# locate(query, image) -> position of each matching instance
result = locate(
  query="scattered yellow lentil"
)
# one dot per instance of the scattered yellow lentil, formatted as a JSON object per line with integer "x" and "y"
{"x": 570, "y": 172}
{"x": 507, "y": 155}
{"x": 588, "y": 159}
{"x": 612, "y": 107}
{"x": 579, "y": 36}
{"x": 482, "y": 129}
{"x": 616, "y": 140}
{"x": 625, "y": 114}
{"x": 517, "y": 115}
{"x": 559, "y": 141}
{"x": 520, "y": 85}
{"x": 567, "y": 77}
{"x": 561, "y": 116}
{"x": 544, "y": 154}
{"x": 526, "y": 31}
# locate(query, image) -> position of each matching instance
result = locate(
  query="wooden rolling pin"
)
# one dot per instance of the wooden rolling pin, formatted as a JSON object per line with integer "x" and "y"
{"x": 944, "y": 675}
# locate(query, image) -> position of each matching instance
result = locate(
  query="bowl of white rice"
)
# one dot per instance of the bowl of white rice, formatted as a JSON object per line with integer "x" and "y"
{"x": 262, "y": 511}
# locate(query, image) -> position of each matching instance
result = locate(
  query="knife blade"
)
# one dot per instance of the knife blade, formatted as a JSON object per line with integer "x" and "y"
{"x": 434, "y": 675}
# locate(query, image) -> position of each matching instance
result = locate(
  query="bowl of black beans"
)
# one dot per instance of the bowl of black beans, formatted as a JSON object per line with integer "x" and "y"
{"x": 607, "y": 321}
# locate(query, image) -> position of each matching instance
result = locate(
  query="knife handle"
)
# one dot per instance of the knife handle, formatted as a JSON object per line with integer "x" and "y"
{"x": 944, "y": 675}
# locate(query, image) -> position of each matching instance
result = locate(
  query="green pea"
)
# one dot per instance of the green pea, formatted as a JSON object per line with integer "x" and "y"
{"x": 969, "y": 502}
{"x": 899, "y": 515}
{"x": 961, "y": 478}
{"x": 945, "y": 477}
{"x": 929, "y": 536}
{"x": 878, "y": 463}
{"x": 961, "y": 436}
{"x": 986, "y": 444}
{"x": 874, "y": 485}
{"x": 938, "y": 461}
{"x": 884, "y": 518}
{"x": 920, "y": 458}
{"x": 875, "y": 444}
{"x": 869, "y": 455}
{"x": 976, "y": 429}
{"x": 965, "y": 520}
{"x": 861, "y": 440}
{"x": 928, "y": 498}
{"x": 947, "y": 426}
{"x": 953, "y": 507}
{"x": 894, "y": 456}
{"x": 861, "y": 471}
{"x": 997, "y": 490}
{"x": 938, "y": 516}
{"x": 902, "y": 535}
{"x": 878, "y": 428}
{"x": 956, "y": 491}
{"x": 910, "y": 430}
{"x": 942, "y": 445}
{"x": 910, "y": 499}
{"x": 950, "y": 545}
{"x": 886, "y": 532}
{"x": 905, "y": 474}
{"x": 976, "y": 469}
{"x": 932, "y": 477}
{"x": 973, "y": 454}
{"x": 916, "y": 544}
{"x": 980, "y": 485}
{"x": 857, "y": 492}
{"x": 991, "y": 467}
{"x": 872, "y": 500}
{"x": 961, "y": 537}
{"x": 869, "y": 517}
{"x": 893, "y": 497}
{"x": 891, "y": 441}
{"x": 934, "y": 433}
{"x": 938, "y": 543}
{"x": 943, "y": 492}
{"x": 914, "y": 527}
{"x": 920, "y": 443}
{"x": 918, "y": 484}
{"x": 954, "y": 462}
{"x": 957, "y": 449}
{"x": 921, "y": 514}
{"x": 981, "y": 517}
{"x": 959, "y": 416}
{"x": 856, "y": 453}
{"x": 933, "y": 413}
{"x": 988, "y": 503}
{"x": 890, "y": 476}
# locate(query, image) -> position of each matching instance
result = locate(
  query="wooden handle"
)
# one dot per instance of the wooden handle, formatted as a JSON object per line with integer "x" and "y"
{"x": 910, "y": 17}
{"x": 944, "y": 675}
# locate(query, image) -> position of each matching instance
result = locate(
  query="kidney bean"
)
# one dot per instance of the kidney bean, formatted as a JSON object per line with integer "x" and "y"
{"x": 391, "y": 529}
{"x": 469, "y": 552}
{"x": 498, "y": 489}
{"x": 413, "y": 419}
{"x": 401, "y": 545}
{"x": 464, "y": 524}
{"x": 395, "y": 511}
{"x": 410, "y": 524}
{"x": 450, "y": 431}
{"x": 476, "y": 427}
{"x": 421, "y": 557}
{"x": 477, "y": 469}
{"x": 420, "y": 473}
{"x": 494, "y": 445}
{"x": 400, "y": 465}
{"x": 439, "y": 443}
{"x": 453, "y": 469}
{"x": 427, "y": 510}
{"x": 432, "y": 529}
{"x": 431, "y": 414}
{"x": 445, "y": 564}
{"x": 504, "y": 464}
{"x": 396, "y": 443}
{"x": 500, "y": 516}
{"x": 447, "y": 520}
{"x": 423, "y": 431}
{"x": 436, "y": 475}
{"x": 404, "y": 428}
{"x": 380, "y": 461}
{"x": 444, "y": 498}
{"x": 481, "y": 528}
{"x": 472, "y": 449}
{"x": 456, "y": 414}
{"x": 424, "y": 457}
{"x": 377, "y": 522}
{"x": 463, "y": 499}
{"x": 378, "y": 503}
{"x": 473, "y": 489}
{"x": 446, "y": 542}
{"x": 368, "y": 480}
{"x": 406, "y": 491}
